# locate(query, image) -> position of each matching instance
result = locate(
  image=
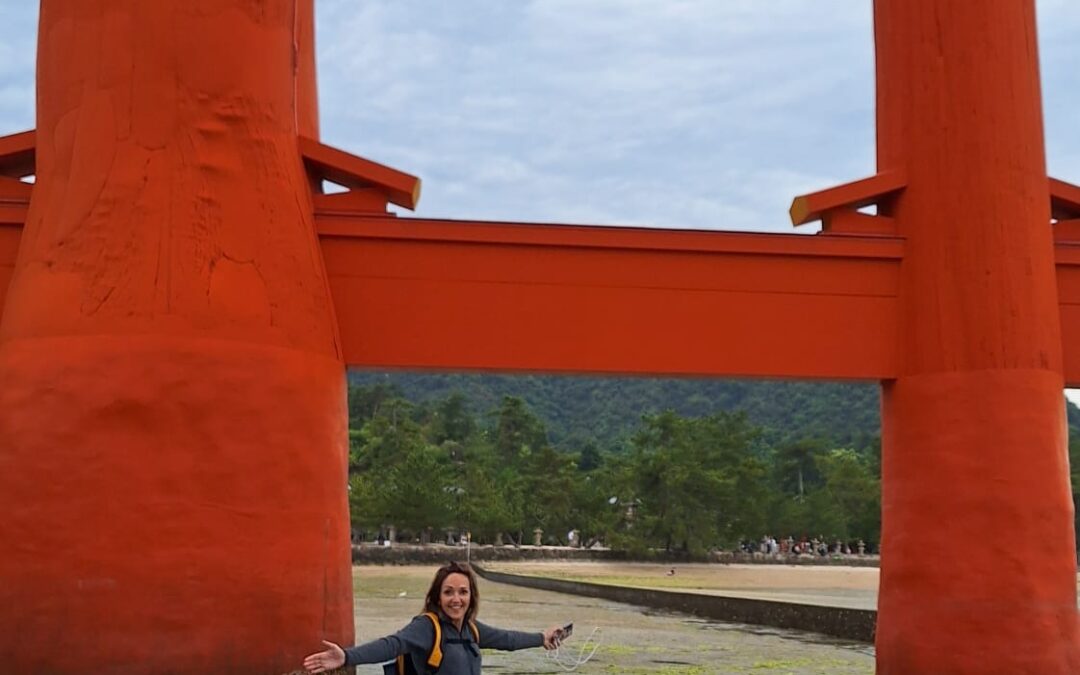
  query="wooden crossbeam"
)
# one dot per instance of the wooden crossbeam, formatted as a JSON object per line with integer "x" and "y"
{"x": 849, "y": 196}
{"x": 18, "y": 154}
{"x": 439, "y": 294}
{"x": 12, "y": 190}
{"x": 453, "y": 295}
{"x": 10, "y": 234}
{"x": 17, "y": 159}
{"x": 1064, "y": 200}
{"x": 458, "y": 295}
{"x": 1068, "y": 281}
{"x": 358, "y": 173}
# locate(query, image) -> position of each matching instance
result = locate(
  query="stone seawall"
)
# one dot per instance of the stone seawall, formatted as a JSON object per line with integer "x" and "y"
{"x": 845, "y": 623}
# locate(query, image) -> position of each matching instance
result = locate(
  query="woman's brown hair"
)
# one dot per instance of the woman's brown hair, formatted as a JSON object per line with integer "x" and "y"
{"x": 431, "y": 602}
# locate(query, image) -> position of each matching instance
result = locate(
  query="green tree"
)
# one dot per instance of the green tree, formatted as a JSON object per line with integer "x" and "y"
{"x": 419, "y": 489}
{"x": 854, "y": 492}
{"x": 397, "y": 477}
{"x": 689, "y": 474}
{"x": 1074, "y": 468}
{"x": 797, "y": 467}
{"x": 379, "y": 441}
{"x": 489, "y": 494}
{"x": 549, "y": 479}
{"x": 365, "y": 401}
{"x": 601, "y": 498}
{"x": 518, "y": 431}
{"x": 590, "y": 457}
{"x": 453, "y": 420}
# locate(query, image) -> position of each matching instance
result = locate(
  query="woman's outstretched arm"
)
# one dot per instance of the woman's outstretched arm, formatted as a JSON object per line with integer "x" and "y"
{"x": 328, "y": 659}
{"x": 512, "y": 640}
{"x": 419, "y": 634}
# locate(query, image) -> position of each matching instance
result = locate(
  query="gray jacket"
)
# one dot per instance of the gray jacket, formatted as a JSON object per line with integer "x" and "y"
{"x": 461, "y": 654}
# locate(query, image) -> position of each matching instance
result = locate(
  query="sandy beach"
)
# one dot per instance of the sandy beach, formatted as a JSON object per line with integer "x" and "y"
{"x": 631, "y": 640}
{"x": 854, "y": 587}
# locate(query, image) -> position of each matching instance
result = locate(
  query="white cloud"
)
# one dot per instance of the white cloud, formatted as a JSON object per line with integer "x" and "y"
{"x": 687, "y": 113}
{"x": 615, "y": 111}
{"x": 18, "y": 34}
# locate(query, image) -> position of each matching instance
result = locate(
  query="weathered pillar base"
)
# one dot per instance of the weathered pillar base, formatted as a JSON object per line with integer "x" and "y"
{"x": 978, "y": 562}
{"x": 149, "y": 536}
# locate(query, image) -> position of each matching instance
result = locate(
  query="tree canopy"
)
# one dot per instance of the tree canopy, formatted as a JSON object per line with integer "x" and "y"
{"x": 704, "y": 472}
{"x": 676, "y": 482}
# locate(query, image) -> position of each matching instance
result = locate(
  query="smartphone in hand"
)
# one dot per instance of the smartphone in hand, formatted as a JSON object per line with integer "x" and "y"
{"x": 566, "y": 631}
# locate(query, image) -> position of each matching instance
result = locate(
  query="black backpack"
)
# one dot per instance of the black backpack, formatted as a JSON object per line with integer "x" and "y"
{"x": 403, "y": 665}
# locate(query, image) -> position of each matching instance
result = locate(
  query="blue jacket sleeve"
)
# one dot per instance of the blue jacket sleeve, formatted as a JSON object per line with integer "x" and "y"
{"x": 417, "y": 636}
{"x": 507, "y": 640}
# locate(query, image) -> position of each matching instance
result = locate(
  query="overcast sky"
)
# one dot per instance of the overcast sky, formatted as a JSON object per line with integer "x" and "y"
{"x": 704, "y": 114}
{"x": 707, "y": 114}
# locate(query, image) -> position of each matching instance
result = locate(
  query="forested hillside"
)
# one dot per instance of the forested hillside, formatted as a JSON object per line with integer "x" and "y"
{"x": 606, "y": 411}
{"x": 634, "y": 463}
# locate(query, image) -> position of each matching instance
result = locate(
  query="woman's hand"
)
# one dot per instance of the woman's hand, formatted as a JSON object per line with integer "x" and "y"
{"x": 320, "y": 662}
{"x": 552, "y": 637}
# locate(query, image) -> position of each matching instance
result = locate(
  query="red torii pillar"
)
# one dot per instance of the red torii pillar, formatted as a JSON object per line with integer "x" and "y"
{"x": 978, "y": 557}
{"x": 171, "y": 396}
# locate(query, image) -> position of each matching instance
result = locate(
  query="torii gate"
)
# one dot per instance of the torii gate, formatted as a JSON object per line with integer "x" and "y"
{"x": 181, "y": 304}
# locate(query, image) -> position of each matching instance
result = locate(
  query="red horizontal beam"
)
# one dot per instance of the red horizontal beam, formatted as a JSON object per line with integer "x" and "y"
{"x": 18, "y": 154}
{"x": 1068, "y": 278}
{"x": 18, "y": 158}
{"x": 10, "y": 234}
{"x": 521, "y": 297}
{"x": 1064, "y": 199}
{"x": 453, "y": 295}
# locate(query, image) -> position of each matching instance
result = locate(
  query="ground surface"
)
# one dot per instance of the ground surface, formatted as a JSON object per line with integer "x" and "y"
{"x": 854, "y": 587}
{"x": 632, "y": 641}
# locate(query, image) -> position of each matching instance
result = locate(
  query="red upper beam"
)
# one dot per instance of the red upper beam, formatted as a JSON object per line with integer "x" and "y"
{"x": 431, "y": 294}
{"x": 457, "y": 295}
{"x": 454, "y": 295}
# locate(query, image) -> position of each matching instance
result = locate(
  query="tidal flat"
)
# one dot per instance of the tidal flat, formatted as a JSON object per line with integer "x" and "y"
{"x": 631, "y": 641}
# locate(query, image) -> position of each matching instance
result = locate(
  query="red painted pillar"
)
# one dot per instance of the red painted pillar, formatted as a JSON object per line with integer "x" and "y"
{"x": 978, "y": 560}
{"x": 307, "y": 81}
{"x": 172, "y": 415}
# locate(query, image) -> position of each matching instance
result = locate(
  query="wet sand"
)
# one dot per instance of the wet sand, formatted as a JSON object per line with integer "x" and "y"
{"x": 835, "y": 586}
{"x": 632, "y": 641}
{"x": 853, "y": 587}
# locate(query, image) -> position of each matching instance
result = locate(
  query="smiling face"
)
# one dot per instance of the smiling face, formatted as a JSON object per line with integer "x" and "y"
{"x": 455, "y": 596}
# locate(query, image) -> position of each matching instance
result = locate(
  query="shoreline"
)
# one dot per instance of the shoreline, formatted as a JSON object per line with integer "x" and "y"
{"x": 426, "y": 554}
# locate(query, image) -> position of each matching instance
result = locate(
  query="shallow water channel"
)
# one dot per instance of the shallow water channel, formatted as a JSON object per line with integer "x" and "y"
{"x": 630, "y": 640}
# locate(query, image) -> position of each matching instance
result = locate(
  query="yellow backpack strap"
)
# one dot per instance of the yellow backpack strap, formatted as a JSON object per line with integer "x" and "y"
{"x": 434, "y": 659}
{"x": 475, "y": 632}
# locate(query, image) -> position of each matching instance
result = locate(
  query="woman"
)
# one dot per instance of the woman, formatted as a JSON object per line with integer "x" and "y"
{"x": 450, "y": 608}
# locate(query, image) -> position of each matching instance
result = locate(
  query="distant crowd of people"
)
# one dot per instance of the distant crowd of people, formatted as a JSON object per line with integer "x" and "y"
{"x": 820, "y": 546}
